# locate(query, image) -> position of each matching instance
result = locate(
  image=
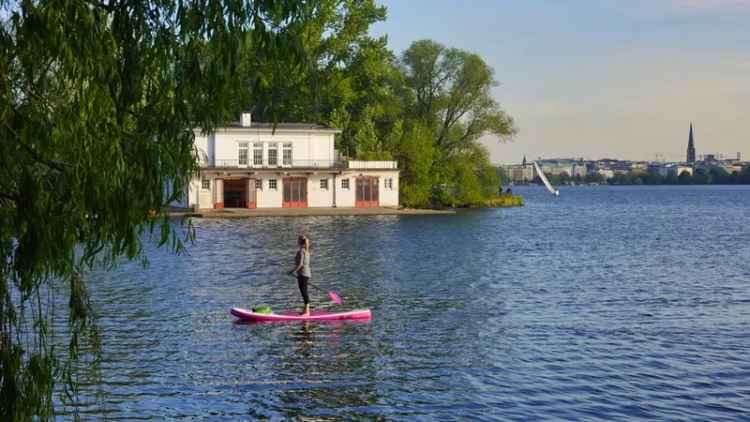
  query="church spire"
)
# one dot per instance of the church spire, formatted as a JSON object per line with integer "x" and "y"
{"x": 691, "y": 146}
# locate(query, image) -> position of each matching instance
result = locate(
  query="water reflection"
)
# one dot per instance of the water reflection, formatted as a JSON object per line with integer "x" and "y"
{"x": 588, "y": 306}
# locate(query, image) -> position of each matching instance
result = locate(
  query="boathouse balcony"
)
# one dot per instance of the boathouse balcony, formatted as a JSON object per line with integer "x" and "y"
{"x": 335, "y": 165}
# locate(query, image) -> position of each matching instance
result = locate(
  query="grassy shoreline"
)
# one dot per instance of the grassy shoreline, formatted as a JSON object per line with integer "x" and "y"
{"x": 504, "y": 201}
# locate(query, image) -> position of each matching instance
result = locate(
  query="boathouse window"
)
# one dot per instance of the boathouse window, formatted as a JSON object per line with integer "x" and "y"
{"x": 272, "y": 184}
{"x": 389, "y": 183}
{"x": 344, "y": 183}
{"x": 287, "y": 157}
{"x": 324, "y": 184}
{"x": 205, "y": 183}
{"x": 242, "y": 158}
{"x": 259, "y": 184}
{"x": 273, "y": 154}
{"x": 258, "y": 154}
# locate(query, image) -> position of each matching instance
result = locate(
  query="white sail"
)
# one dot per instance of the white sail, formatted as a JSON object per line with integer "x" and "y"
{"x": 544, "y": 179}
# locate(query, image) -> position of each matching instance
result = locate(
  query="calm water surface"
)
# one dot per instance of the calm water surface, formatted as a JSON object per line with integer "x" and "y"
{"x": 607, "y": 303}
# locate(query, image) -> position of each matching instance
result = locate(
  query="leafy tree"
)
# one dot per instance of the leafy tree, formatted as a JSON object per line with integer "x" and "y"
{"x": 339, "y": 118}
{"x": 701, "y": 177}
{"x": 685, "y": 178}
{"x": 344, "y": 68}
{"x": 97, "y": 105}
{"x": 367, "y": 143}
{"x": 489, "y": 180}
{"x": 415, "y": 156}
{"x": 465, "y": 188}
{"x": 502, "y": 176}
{"x": 719, "y": 176}
{"x": 451, "y": 94}
{"x": 652, "y": 178}
{"x": 671, "y": 179}
{"x": 593, "y": 177}
{"x": 745, "y": 176}
{"x": 564, "y": 178}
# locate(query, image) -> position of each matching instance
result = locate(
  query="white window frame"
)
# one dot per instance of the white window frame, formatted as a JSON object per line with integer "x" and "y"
{"x": 273, "y": 146}
{"x": 257, "y": 146}
{"x": 205, "y": 183}
{"x": 324, "y": 183}
{"x": 243, "y": 146}
{"x": 259, "y": 184}
{"x": 389, "y": 183}
{"x": 345, "y": 183}
{"x": 272, "y": 184}
{"x": 286, "y": 160}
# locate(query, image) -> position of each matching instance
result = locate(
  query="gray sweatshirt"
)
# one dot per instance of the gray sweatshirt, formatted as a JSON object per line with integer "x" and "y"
{"x": 303, "y": 257}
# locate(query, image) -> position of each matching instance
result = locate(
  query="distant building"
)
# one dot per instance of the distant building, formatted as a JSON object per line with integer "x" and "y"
{"x": 562, "y": 166}
{"x": 606, "y": 173}
{"x": 658, "y": 168}
{"x": 665, "y": 170}
{"x": 639, "y": 166}
{"x": 691, "y": 146}
{"x": 519, "y": 173}
{"x": 580, "y": 170}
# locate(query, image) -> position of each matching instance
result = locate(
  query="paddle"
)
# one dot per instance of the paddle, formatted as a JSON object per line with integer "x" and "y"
{"x": 335, "y": 298}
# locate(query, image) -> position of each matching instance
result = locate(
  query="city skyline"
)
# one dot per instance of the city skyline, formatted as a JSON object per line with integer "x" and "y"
{"x": 602, "y": 79}
{"x": 691, "y": 156}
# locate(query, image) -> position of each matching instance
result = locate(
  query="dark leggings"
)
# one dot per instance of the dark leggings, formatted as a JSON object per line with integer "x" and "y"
{"x": 302, "y": 283}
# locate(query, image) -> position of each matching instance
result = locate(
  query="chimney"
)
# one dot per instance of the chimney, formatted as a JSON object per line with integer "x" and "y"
{"x": 245, "y": 119}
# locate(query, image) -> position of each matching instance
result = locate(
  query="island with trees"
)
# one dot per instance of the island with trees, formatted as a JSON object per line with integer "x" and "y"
{"x": 98, "y": 100}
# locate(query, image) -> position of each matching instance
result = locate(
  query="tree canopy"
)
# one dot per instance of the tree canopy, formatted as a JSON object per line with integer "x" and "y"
{"x": 98, "y": 102}
{"x": 428, "y": 109}
{"x": 97, "y": 105}
{"x": 702, "y": 176}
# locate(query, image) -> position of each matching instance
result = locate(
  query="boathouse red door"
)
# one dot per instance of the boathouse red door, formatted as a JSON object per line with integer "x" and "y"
{"x": 368, "y": 194}
{"x": 295, "y": 192}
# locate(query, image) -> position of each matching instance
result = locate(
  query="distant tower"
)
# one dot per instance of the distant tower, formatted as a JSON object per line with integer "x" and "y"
{"x": 691, "y": 146}
{"x": 524, "y": 160}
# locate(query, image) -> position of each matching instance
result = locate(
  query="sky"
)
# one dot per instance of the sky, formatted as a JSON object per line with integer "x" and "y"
{"x": 601, "y": 78}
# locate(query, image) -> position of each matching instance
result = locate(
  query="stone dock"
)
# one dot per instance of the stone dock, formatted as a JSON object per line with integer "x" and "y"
{"x": 302, "y": 212}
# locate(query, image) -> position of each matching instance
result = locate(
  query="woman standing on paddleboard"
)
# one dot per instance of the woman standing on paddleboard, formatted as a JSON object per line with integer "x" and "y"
{"x": 302, "y": 270}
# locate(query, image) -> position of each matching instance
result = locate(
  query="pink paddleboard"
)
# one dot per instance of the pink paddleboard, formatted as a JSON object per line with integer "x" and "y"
{"x": 246, "y": 315}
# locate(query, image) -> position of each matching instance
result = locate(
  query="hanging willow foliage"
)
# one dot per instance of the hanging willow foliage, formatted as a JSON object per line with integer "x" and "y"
{"x": 98, "y": 99}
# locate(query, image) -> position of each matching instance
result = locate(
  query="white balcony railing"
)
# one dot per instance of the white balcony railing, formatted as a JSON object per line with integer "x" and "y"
{"x": 294, "y": 164}
{"x": 372, "y": 165}
{"x": 321, "y": 164}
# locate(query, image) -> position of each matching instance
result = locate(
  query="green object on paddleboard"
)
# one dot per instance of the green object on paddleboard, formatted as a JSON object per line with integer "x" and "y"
{"x": 263, "y": 310}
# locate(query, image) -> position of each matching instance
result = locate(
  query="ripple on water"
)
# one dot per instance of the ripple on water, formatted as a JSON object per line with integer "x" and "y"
{"x": 602, "y": 304}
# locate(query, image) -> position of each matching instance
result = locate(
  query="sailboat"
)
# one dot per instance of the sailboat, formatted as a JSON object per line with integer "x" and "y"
{"x": 544, "y": 179}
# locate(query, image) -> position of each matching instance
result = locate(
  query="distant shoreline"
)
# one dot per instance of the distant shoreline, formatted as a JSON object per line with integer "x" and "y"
{"x": 594, "y": 185}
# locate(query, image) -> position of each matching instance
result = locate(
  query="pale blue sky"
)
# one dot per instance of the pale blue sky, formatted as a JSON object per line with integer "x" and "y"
{"x": 601, "y": 78}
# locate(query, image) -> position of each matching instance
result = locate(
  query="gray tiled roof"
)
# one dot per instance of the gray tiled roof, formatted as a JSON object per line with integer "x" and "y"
{"x": 281, "y": 125}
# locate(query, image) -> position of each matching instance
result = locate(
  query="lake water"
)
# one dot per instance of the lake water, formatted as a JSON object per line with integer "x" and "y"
{"x": 607, "y": 303}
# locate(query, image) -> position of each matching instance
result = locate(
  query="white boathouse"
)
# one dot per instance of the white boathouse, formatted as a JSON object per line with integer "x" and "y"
{"x": 250, "y": 165}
